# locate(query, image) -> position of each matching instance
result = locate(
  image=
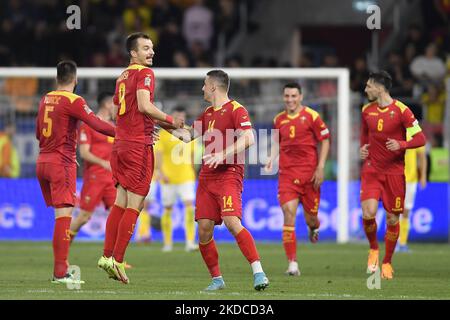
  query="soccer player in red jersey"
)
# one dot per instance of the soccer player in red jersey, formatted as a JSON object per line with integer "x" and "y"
{"x": 56, "y": 129}
{"x": 301, "y": 170}
{"x": 132, "y": 154}
{"x": 227, "y": 132}
{"x": 384, "y": 126}
{"x": 95, "y": 150}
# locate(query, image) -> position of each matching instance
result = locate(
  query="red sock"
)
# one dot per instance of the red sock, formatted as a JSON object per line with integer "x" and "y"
{"x": 290, "y": 242}
{"x": 370, "y": 228}
{"x": 61, "y": 244}
{"x": 247, "y": 245}
{"x": 125, "y": 232}
{"x": 211, "y": 257}
{"x": 112, "y": 225}
{"x": 390, "y": 240}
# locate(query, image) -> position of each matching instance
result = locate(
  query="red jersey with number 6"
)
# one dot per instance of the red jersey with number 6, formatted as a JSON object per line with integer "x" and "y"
{"x": 379, "y": 124}
{"x": 133, "y": 125}
{"x": 298, "y": 138}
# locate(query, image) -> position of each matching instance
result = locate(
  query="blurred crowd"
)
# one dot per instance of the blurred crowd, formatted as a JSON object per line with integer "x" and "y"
{"x": 185, "y": 32}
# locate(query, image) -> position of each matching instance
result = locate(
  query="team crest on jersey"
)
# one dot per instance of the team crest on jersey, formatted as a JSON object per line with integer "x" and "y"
{"x": 391, "y": 114}
{"x": 223, "y": 111}
{"x": 147, "y": 81}
{"x": 303, "y": 119}
{"x": 87, "y": 109}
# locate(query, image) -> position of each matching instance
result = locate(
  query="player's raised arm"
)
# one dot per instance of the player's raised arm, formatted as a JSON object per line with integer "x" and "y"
{"x": 82, "y": 112}
{"x": 145, "y": 106}
{"x": 413, "y": 130}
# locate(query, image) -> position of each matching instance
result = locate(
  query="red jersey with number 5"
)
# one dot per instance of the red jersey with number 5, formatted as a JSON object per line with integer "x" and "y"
{"x": 379, "y": 124}
{"x": 57, "y": 126}
{"x": 133, "y": 125}
{"x": 219, "y": 128}
{"x": 298, "y": 138}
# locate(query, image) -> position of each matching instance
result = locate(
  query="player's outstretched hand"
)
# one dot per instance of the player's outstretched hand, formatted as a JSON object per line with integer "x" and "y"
{"x": 155, "y": 135}
{"x": 106, "y": 165}
{"x": 364, "y": 151}
{"x": 392, "y": 144}
{"x": 178, "y": 123}
{"x": 268, "y": 167}
{"x": 213, "y": 160}
{"x": 318, "y": 177}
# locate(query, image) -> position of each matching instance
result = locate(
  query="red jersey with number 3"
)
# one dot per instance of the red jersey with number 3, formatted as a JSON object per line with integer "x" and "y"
{"x": 101, "y": 147}
{"x": 133, "y": 125}
{"x": 298, "y": 138}
{"x": 220, "y": 129}
{"x": 379, "y": 124}
{"x": 57, "y": 126}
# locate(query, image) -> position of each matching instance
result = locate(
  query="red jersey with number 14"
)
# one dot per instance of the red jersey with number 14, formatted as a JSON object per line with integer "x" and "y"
{"x": 298, "y": 138}
{"x": 133, "y": 125}
{"x": 379, "y": 124}
{"x": 223, "y": 123}
{"x": 101, "y": 147}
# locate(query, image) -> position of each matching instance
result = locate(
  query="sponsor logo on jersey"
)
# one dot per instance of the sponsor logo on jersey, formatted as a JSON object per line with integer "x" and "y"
{"x": 87, "y": 109}
{"x": 147, "y": 81}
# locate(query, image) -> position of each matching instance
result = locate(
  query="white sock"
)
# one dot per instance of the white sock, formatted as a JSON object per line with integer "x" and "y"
{"x": 257, "y": 267}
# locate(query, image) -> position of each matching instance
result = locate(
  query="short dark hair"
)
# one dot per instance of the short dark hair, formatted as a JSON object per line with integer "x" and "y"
{"x": 132, "y": 40}
{"x": 179, "y": 109}
{"x": 66, "y": 71}
{"x": 293, "y": 85}
{"x": 221, "y": 77}
{"x": 382, "y": 77}
{"x": 102, "y": 96}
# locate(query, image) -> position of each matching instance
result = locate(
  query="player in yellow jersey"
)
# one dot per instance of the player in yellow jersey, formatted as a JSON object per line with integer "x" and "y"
{"x": 174, "y": 168}
{"x": 415, "y": 171}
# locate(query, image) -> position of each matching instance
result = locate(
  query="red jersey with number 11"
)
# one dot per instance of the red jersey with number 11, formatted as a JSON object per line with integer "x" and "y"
{"x": 133, "y": 125}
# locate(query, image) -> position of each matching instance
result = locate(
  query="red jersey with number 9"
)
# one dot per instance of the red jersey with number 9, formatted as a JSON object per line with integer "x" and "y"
{"x": 131, "y": 124}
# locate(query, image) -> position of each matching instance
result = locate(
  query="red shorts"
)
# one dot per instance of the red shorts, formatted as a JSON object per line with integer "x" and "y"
{"x": 390, "y": 188}
{"x": 132, "y": 166}
{"x": 58, "y": 184}
{"x": 94, "y": 191}
{"x": 290, "y": 188}
{"x": 218, "y": 198}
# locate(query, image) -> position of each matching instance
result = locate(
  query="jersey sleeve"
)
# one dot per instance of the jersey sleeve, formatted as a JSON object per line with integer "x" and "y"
{"x": 410, "y": 123}
{"x": 320, "y": 129}
{"x": 364, "y": 132}
{"x": 145, "y": 80}
{"x": 116, "y": 96}
{"x": 81, "y": 111}
{"x": 199, "y": 124}
{"x": 85, "y": 136}
{"x": 241, "y": 119}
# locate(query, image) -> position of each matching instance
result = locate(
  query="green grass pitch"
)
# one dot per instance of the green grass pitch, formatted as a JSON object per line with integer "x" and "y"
{"x": 329, "y": 271}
